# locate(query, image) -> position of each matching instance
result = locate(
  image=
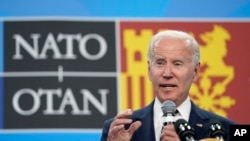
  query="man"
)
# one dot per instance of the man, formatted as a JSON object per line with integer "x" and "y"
{"x": 173, "y": 64}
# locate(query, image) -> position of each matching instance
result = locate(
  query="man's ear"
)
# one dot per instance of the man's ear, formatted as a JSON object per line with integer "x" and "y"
{"x": 196, "y": 71}
{"x": 149, "y": 69}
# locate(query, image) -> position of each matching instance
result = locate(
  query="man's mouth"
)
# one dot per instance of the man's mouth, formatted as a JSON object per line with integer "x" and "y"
{"x": 167, "y": 85}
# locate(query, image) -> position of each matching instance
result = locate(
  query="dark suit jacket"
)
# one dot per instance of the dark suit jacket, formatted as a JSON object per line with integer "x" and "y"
{"x": 199, "y": 120}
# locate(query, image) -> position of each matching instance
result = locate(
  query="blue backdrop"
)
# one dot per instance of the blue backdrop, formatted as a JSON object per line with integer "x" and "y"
{"x": 127, "y": 8}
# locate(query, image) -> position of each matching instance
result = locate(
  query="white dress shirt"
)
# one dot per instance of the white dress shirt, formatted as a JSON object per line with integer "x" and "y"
{"x": 183, "y": 112}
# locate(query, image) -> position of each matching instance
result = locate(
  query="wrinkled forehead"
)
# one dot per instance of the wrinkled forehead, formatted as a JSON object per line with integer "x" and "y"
{"x": 173, "y": 55}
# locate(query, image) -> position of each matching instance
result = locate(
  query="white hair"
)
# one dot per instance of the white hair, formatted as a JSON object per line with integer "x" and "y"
{"x": 175, "y": 34}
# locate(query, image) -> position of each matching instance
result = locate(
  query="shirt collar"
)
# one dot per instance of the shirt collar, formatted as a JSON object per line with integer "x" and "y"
{"x": 184, "y": 109}
{"x": 157, "y": 109}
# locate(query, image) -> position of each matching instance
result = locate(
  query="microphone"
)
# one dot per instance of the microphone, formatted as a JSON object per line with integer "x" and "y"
{"x": 168, "y": 108}
{"x": 216, "y": 130}
{"x": 184, "y": 130}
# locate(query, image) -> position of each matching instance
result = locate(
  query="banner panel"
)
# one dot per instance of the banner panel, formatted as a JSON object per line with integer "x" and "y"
{"x": 224, "y": 83}
{"x": 59, "y": 74}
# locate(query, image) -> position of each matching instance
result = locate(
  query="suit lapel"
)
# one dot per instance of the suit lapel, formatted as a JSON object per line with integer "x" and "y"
{"x": 198, "y": 121}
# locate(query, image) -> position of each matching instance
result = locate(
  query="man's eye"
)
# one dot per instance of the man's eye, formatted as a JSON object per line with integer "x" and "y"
{"x": 160, "y": 63}
{"x": 177, "y": 64}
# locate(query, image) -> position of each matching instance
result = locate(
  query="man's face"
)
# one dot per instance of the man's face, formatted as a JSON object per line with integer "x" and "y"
{"x": 171, "y": 70}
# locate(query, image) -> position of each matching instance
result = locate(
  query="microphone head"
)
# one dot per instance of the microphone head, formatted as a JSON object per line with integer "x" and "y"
{"x": 179, "y": 122}
{"x": 216, "y": 129}
{"x": 184, "y": 130}
{"x": 168, "y": 107}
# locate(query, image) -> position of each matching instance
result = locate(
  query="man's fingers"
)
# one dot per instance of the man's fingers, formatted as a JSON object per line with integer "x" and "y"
{"x": 116, "y": 129}
{"x": 134, "y": 126}
{"x": 117, "y": 122}
{"x": 122, "y": 118}
{"x": 124, "y": 114}
{"x": 120, "y": 121}
{"x": 169, "y": 133}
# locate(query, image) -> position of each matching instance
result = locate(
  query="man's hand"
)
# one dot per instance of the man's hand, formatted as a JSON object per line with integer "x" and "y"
{"x": 169, "y": 134}
{"x": 117, "y": 130}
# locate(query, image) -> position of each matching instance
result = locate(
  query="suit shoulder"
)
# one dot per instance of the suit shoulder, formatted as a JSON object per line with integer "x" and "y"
{"x": 143, "y": 112}
{"x": 207, "y": 115}
{"x": 222, "y": 119}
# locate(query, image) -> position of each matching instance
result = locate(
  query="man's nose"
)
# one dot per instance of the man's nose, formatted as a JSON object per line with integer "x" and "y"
{"x": 167, "y": 71}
